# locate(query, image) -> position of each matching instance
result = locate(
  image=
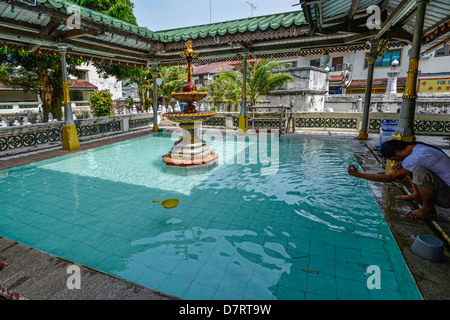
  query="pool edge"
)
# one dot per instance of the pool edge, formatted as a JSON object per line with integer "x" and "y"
{"x": 431, "y": 278}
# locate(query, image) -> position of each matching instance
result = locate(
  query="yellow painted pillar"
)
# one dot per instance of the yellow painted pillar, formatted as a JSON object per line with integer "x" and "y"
{"x": 155, "y": 75}
{"x": 243, "y": 118}
{"x": 405, "y": 129}
{"x": 377, "y": 48}
{"x": 70, "y": 135}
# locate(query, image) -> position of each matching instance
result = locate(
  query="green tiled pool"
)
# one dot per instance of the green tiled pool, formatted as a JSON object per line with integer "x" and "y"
{"x": 307, "y": 230}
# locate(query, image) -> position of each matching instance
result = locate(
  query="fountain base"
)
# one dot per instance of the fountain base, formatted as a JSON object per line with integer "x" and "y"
{"x": 190, "y": 150}
{"x": 210, "y": 160}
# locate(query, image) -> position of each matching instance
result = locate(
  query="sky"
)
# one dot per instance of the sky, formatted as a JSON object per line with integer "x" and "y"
{"x": 159, "y": 15}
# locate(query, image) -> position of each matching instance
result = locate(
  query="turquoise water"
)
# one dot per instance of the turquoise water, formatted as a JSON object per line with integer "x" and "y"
{"x": 306, "y": 230}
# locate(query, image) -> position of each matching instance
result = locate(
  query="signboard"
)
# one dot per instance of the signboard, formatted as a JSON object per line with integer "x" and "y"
{"x": 434, "y": 85}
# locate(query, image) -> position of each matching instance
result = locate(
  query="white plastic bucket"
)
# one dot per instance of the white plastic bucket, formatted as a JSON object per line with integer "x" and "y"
{"x": 387, "y": 129}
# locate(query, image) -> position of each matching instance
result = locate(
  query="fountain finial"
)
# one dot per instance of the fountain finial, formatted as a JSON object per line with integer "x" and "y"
{"x": 191, "y": 150}
{"x": 189, "y": 53}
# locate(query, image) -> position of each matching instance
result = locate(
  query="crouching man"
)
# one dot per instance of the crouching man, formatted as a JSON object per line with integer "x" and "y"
{"x": 426, "y": 167}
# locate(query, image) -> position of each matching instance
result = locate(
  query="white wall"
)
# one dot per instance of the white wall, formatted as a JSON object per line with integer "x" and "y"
{"x": 114, "y": 86}
{"x": 427, "y": 64}
{"x": 432, "y": 64}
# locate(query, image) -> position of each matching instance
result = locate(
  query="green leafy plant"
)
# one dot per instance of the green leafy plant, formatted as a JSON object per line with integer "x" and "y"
{"x": 173, "y": 80}
{"x": 101, "y": 103}
{"x": 227, "y": 86}
{"x": 130, "y": 102}
{"x": 261, "y": 79}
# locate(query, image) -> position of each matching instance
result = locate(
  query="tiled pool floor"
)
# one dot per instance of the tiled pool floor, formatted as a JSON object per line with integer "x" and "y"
{"x": 323, "y": 260}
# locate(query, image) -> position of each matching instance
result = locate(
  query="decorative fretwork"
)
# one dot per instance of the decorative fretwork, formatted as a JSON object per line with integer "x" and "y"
{"x": 3, "y": 144}
{"x": 215, "y": 122}
{"x": 432, "y": 126}
{"x": 41, "y": 137}
{"x": 266, "y": 123}
{"x": 15, "y": 142}
{"x": 375, "y": 124}
{"x": 447, "y": 126}
{"x": 94, "y": 129}
{"x": 29, "y": 140}
{"x": 420, "y": 126}
{"x": 54, "y": 135}
{"x": 326, "y": 123}
{"x": 141, "y": 122}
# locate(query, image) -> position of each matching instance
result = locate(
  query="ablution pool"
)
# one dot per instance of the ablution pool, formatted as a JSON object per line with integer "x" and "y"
{"x": 274, "y": 219}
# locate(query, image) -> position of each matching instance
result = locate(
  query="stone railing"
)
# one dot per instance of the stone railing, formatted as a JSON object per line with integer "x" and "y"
{"x": 31, "y": 137}
{"x": 427, "y": 124}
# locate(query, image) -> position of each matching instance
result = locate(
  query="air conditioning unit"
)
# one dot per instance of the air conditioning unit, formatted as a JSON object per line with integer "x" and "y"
{"x": 426, "y": 55}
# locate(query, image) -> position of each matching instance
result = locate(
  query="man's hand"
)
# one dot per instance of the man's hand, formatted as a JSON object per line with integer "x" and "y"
{"x": 397, "y": 167}
{"x": 352, "y": 170}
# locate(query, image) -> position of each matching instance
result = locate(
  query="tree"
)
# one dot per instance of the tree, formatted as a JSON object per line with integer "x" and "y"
{"x": 138, "y": 75}
{"x": 120, "y": 9}
{"x": 173, "y": 80}
{"x": 261, "y": 79}
{"x": 226, "y": 88}
{"x": 101, "y": 103}
{"x": 41, "y": 72}
{"x": 38, "y": 72}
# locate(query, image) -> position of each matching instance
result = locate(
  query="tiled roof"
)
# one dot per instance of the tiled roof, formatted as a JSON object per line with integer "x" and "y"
{"x": 262, "y": 23}
{"x": 214, "y": 68}
{"x": 76, "y": 84}
{"x": 337, "y": 78}
{"x": 97, "y": 16}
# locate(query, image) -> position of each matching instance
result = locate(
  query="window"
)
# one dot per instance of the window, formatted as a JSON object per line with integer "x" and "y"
{"x": 315, "y": 63}
{"x": 76, "y": 96}
{"x": 337, "y": 64}
{"x": 28, "y": 106}
{"x": 289, "y": 64}
{"x": 442, "y": 52}
{"x": 6, "y": 107}
{"x": 386, "y": 60}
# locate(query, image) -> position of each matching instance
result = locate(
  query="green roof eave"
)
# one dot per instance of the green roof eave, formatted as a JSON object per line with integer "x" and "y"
{"x": 98, "y": 17}
{"x": 274, "y": 21}
{"x": 262, "y": 23}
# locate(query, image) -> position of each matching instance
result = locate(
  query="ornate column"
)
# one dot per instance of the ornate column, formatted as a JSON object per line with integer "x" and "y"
{"x": 391, "y": 88}
{"x": 243, "y": 118}
{"x": 405, "y": 130}
{"x": 155, "y": 95}
{"x": 377, "y": 48}
{"x": 70, "y": 135}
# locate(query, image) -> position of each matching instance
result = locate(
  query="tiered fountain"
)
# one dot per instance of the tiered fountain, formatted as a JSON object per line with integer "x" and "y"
{"x": 190, "y": 150}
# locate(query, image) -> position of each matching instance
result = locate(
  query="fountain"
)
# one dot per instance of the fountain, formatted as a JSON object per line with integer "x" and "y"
{"x": 190, "y": 150}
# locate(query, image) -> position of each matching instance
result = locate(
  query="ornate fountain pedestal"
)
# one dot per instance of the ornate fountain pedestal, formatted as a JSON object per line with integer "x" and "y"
{"x": 190, "y": 150}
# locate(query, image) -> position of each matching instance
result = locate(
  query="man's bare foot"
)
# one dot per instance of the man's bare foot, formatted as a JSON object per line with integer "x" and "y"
{"x": 422, "y": 213}
{"x": 411, "y": 197}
